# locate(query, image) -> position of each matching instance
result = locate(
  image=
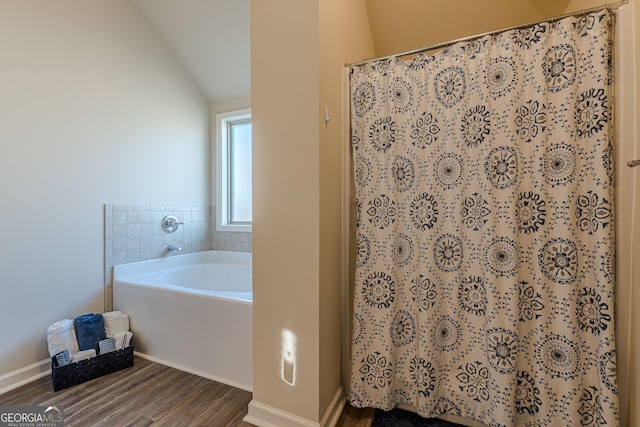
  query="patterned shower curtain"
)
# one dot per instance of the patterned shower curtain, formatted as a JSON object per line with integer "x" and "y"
{"x": 484, "y": 197}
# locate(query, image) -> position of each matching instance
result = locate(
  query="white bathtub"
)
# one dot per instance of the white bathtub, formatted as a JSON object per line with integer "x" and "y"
{"x": 192, "y": 312}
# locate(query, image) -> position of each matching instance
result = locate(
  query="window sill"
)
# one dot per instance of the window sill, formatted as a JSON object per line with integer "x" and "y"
{"x": 234, "y": 228}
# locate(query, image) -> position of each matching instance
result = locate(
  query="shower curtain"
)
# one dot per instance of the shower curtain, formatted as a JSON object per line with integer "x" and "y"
{"x": 484, "y": 281}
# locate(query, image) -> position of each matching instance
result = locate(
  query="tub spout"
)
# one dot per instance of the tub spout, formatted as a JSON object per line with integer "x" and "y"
{"x": 172, "y": 248}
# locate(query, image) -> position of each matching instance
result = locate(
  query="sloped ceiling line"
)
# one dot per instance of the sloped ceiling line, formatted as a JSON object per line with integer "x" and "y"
{"x": 211, "y": 38}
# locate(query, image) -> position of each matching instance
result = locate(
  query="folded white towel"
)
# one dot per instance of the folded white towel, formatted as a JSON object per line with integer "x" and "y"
{"x": 84, "y": 354}
{"x": 62, "y": 336}
{"x": 123, "y": 339}
{"x": 115, "y": 322}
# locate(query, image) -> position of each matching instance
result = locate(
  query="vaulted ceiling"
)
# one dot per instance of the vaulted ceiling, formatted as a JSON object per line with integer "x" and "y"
{"x": 211, "y": 40}
{"x": 211, "y": 37}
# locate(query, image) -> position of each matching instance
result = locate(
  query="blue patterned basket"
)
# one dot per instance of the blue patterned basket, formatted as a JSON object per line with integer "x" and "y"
{"x": 88, "y": 369}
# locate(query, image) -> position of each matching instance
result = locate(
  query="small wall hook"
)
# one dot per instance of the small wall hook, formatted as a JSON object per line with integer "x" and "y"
{"x": 327, "y": 116}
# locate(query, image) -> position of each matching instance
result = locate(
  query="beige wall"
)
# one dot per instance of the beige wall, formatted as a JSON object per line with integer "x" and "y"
{"x": 576, "y": 5}
{"x": 285, "y": 123}
{"x": 93, "y": 110}
{"x": 404, "y": 25}
{"x": 345, "y": 37}
{"x": 298, "y": 52}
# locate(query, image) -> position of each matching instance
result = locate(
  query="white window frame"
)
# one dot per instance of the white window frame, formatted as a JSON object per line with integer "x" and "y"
{"x": 222, "y": 169}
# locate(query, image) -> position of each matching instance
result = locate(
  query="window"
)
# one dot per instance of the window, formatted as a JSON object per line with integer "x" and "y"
{"x": 233, "y": 158}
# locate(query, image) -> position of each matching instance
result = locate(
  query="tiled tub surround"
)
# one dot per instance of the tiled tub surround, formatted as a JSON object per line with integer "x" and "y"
{"x": 133, "y": 233}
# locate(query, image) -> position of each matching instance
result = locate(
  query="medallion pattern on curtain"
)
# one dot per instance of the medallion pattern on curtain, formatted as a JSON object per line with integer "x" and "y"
{"x": 485, "y": 237}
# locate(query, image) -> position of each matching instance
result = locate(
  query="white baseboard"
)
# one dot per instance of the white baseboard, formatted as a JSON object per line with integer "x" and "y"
{"x": 333, "y": 412}
{"x": 19, "y": 377}
{"x": 245, "y": 387}
{"x": 263, "y": 415}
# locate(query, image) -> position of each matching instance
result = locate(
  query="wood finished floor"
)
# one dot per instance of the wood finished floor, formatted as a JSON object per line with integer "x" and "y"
{"x": 152, "y": 394}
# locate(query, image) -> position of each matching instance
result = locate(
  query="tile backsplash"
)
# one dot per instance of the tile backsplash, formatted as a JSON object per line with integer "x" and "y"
{"x": 133, "y": 233}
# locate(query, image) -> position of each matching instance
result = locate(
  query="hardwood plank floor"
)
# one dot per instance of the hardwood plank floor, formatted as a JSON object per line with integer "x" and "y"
{"x": 151, "y": 394}
{"x": 355, "y": 417}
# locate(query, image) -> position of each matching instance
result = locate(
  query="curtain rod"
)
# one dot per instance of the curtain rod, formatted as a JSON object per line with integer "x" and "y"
{"x": 612, "y": 6}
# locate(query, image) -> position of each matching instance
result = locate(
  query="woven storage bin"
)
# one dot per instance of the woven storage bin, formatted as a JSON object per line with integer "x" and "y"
{"x": 88, "y": 369}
